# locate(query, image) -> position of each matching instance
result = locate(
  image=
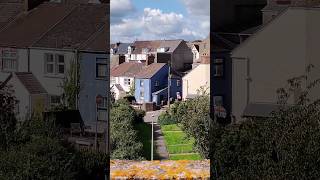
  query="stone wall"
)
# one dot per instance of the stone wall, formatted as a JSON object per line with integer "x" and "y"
{"x": 182, "y": 169}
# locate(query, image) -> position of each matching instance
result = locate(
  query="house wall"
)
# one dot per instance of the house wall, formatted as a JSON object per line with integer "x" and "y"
{"x": 196, "y": 78}
{"x": 268, "y": 59}
{"x": 22, "y": 59}
{"x": 312, "y": 48}
{"x": 146, "y": 88}
{"x": 49, "y": 82}
{"x": 182, "y": 56}
{"x": 91, "y": 86}
{"x": 120, "y": 80}
{"x": 223, "y": 85}
{"x": 23, "y": 96}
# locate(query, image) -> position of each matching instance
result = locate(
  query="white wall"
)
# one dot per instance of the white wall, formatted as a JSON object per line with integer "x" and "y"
{"x": 199, "y": 76}
{"x": 23, "y": 96}
{"x": 275, "y": 55}
{"x": 37, "y": 63}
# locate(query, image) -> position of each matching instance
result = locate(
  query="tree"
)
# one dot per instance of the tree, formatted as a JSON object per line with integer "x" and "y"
{"x": 124, "y": 142}
{"x": 8, "y": 121}
{"x": 284, "y": 146}
{"x": 71, "y": 86}
{"x": 132, "y": 90}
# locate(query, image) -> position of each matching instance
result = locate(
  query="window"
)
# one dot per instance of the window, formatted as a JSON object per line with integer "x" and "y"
{"x": 141, "y": 83}
{"x": 178, "y": 83}
{"x": 141, "y": 95}
{"x": 156, "y": 83}
{"x": 127, "y": 81}
{"x": 104, "y": 103}
{"x": 55, "y": 100}
{"x": 9, "y": 60}
{"x": 218, "y": 100}
{"x": 102, "y": 115}
{"x": 113, "y": 80}
{"x": 101, "y": 70}
{"x": 218, "y": 67}
{"x": 54, "y": 64}
{"x": 60, "y": 64}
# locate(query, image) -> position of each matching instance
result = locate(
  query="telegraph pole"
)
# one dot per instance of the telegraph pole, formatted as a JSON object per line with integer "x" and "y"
{"x": 169, "y": 84}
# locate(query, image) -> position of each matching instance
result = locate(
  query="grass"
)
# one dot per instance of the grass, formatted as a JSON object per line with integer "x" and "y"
{"x": 172, "y": 127}
{"x": 195, "y": 156}
{"x": 176, "y": 137}
{"x": 185, "y": 148}
{"x": 144, "y": 135}
{"x": 178, "y": 145}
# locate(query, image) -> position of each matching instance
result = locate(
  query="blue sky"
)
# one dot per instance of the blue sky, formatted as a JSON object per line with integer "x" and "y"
{"x": 159, "y": 19}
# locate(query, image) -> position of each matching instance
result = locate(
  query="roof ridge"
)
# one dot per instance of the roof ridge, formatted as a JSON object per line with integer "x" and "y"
{"x": 54, "y": 25}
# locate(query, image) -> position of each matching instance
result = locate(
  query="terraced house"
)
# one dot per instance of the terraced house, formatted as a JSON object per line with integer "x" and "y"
{"x": 40, "y": 46}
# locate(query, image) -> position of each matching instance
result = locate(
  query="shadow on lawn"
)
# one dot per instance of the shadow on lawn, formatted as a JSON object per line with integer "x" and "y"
{"x": 144, "y": 135}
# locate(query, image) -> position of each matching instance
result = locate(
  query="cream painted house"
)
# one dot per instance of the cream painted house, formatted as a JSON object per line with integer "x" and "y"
{"x": 280, "y": 50}
{"x": 197, "y": 77}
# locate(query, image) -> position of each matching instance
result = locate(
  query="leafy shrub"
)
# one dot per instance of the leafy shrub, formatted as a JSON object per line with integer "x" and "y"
{"x": 139, "y": 115}
{"x": 166, "y": 119}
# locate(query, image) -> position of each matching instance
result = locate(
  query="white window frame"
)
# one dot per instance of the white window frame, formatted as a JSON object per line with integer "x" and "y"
{"x": 127, "y": 81}
{"x": 178, "y": 82}
{"x": 142, "y": 95}
{"x": 55, "y": 64}
{"x": 157, "y": 83}
{"x": 11, "y": 58}
{"x": 218, "y": 62}
{"x": 141, "y": 83}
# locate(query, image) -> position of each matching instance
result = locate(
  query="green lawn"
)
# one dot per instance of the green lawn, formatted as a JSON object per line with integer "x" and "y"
{"x": 175, "y": 149}
{"x": 178, "y": 145}
{"x": 185, "y": 157}
{"x": 176, "y": 137}
{"x": 144, "y": 135}
{"x": 172, "y": 127}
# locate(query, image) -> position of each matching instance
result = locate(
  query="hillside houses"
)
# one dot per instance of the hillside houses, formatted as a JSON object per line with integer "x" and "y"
{"x": 144, "y": 68}
{"x": 47, "y": 42}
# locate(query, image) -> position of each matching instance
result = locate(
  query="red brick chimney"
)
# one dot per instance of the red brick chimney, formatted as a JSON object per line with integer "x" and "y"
{"x": 150, "y": 59}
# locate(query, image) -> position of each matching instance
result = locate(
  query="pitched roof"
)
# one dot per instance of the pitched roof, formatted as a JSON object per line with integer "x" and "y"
{"x": 153, "y": 45}
{"x": 99, "y": 41}
{"x": 30, "y": 82}
{"x": 8, "y": 11}
{"x": 119, "y": 87}
{"x": 76, "y": 28}
{"x": 127, "y": 69}
{"x": 220, "y": 43}
{"x": 150, "y": 70}
{"x": 123, "y": 48}
{"x": 29, "y": 27}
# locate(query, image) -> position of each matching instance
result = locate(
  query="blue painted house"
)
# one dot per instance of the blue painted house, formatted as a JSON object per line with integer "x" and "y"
{"x": 94, "y": 81}
{"x": 152, "y": 82}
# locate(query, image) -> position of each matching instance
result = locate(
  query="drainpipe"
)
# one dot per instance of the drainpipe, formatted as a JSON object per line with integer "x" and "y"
{"x": 76, "y": 63}
{"x": 28, "y": 54}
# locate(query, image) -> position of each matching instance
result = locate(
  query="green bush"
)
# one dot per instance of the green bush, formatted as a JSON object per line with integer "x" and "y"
{"x": 166, "y": 119}
{"x": 139, "y": 115}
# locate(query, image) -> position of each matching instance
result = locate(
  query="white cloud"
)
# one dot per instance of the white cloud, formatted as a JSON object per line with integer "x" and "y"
{"x": 155, "y": 21}
{"x": 120, "y": 9}
{"x": 197, "y": 7}
{"x": 155, "y": 24}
